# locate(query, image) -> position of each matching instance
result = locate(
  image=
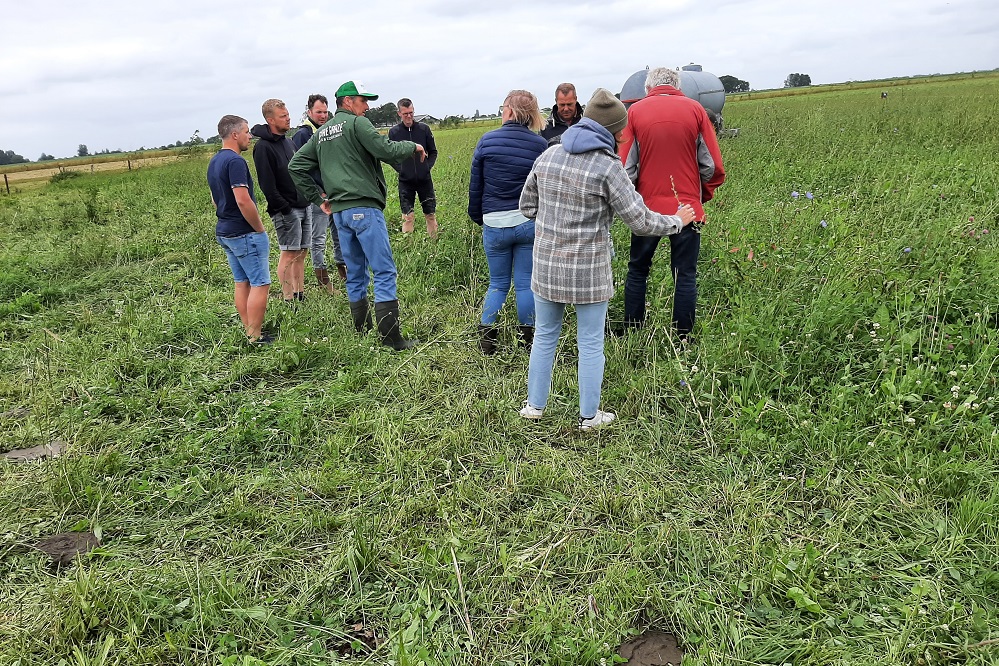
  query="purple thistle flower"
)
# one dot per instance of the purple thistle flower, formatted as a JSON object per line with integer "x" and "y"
{"x": 809, "y": 195}
{"x": 907, "y": 250}
{"x": 794, "y": 195}
{"x": 823, "y": 224}
{"x": 683, "y": 383}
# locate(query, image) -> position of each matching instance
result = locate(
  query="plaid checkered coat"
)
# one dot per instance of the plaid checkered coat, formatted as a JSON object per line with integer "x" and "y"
{"x": 572, "y": 194}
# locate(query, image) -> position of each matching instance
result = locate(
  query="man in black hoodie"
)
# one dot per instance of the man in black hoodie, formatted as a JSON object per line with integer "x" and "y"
{"x": 286, "y": 206}
{"x": 414, "y": 175}
{"x": 566, "y": 113}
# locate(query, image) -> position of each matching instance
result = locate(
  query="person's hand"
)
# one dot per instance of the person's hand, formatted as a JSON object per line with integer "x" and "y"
{"x": 421, "y": 152}
{"x": 325, "y": 207}
{"x": 686, "y": 213}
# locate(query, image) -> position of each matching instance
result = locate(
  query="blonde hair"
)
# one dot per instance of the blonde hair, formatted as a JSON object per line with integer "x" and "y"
{"x": 524, "y": 106}
{"x": 270, "y": 106}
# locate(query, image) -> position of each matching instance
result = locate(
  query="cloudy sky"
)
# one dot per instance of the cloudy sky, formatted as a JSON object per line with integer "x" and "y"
{"x": 116, "y": 74}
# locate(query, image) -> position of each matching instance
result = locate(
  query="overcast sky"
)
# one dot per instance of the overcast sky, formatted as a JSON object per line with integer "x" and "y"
{"x": 116, "y": 74}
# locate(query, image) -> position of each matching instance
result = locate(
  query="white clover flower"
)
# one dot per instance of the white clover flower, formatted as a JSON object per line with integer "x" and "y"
{"x": 693, "y": 368}
{"x": 952, "y": 373}
{"x": 849, "y": 336}
{"x": 910, "y": 420}
{"x": 876, "y": 325}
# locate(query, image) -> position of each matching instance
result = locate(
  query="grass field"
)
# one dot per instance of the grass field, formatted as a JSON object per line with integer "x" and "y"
{"x": 814, "y": 483}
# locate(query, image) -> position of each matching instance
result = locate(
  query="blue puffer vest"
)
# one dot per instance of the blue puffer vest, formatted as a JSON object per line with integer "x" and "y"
{"x": 500, "y": 165}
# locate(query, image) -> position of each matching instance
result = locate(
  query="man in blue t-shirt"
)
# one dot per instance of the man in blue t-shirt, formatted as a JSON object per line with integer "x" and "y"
{"x": 240, "y": 230}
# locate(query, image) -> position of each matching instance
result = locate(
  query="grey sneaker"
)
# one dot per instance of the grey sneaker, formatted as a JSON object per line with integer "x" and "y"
{"x": 529, "y": 412}
{"x": 597, "y": 420}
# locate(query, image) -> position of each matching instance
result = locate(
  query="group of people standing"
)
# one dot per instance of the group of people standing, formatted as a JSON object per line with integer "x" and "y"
{"x": 328, "y": 176}
{"x": 545, "y": 194}
{"x": 546, "y": 204}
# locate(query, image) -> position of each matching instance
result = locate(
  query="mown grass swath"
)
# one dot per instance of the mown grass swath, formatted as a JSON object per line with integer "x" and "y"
{"x": 815, "y": 482}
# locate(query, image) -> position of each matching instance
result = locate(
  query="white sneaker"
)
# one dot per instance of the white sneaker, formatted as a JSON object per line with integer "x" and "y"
{"x": 529, "y": 412}
{"x": 599, "y": 419}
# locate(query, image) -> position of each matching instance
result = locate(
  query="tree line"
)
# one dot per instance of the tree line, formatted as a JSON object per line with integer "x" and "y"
{"x": 735, "y": 85}
{"x": 386, "y": 114}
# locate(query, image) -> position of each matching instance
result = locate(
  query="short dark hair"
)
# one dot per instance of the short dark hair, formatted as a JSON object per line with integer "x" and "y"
{"x": 316, "y": 97}
{"x": 565, "y": 89}
{"x": 339, "y": 100}
{"x": 230, "y": 124}
{"x": 405, "y": 101}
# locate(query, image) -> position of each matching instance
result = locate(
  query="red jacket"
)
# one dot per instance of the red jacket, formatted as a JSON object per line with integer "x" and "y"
{"x": 670, "y": 152}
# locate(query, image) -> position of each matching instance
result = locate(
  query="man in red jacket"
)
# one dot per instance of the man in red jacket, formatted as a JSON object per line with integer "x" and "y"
{"x": 671, "y": 154}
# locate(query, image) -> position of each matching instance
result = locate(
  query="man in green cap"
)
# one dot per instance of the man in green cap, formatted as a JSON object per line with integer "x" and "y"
{"x": 348, "y": 151}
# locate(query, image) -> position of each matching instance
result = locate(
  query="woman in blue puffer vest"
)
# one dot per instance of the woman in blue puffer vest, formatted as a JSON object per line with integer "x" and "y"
{"x": 500, "y": 164}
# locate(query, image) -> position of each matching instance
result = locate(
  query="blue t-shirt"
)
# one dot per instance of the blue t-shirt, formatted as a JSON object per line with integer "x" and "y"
{"x": 226, "y": 171}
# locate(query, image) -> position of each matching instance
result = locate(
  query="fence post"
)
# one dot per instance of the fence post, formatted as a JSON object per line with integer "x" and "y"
{"x": 6, "y": 183}
{"x": 129, "y": 164}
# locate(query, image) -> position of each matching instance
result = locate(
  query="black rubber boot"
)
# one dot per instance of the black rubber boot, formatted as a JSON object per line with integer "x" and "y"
{"x": 525, "y": 337}
{"x": 362, "y": 315}
{"x": 387, "y": 316}
{"x": 488, "y": 335}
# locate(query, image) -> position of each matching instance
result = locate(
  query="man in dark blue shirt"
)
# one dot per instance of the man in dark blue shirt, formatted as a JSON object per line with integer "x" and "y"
{"x": 239, "y": 229}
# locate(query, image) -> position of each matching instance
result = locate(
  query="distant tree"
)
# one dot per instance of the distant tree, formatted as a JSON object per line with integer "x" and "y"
{"x": 797, "y": 80}
{"x": 451, "y": 121}
{"x": 10, "y": 157}
{"x": 734, "y": 85}
{"x": 386, "y": 114}
{"x": 45, "y": 157}
{"x": 82, "y": 150}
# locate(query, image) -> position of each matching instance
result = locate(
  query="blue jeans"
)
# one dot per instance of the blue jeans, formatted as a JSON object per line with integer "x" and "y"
{"x": 248, "y": 257}
{"x": 365, "y": 243}
{"x": 590, "y": 320}
{"x": 320, "y": 227}
{"x": 509, "y": 255}
{"x": 684, "y": 250}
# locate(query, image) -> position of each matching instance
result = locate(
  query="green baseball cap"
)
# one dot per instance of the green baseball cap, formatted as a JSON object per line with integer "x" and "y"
{"x": 354, "y": 89}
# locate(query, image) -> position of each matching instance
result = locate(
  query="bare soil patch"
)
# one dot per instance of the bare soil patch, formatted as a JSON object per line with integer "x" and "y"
{"x": 62, "y": 548}
{"x": 652, "y": 648}
{"x": 51, "y": 450}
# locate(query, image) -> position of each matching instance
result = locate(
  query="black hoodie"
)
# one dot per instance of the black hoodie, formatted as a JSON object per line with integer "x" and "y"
{"x": 271, "y": 156}
{"x": 555, "y": 126}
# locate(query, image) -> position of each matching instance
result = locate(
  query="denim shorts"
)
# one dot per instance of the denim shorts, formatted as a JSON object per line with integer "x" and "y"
{"x": 294, "y": 229}
{"x": 247, "y": 255}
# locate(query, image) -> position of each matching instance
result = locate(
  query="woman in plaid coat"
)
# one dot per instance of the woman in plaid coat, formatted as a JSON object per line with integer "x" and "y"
{"x": 573, "y": 193}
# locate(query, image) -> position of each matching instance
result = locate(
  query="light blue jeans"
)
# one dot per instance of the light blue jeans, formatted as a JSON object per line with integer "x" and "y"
{"x": 320, "y": 227}
{"x": 365, "y": 243}
{"x": 590, "y": 321}
{"x": 509, "y": 253}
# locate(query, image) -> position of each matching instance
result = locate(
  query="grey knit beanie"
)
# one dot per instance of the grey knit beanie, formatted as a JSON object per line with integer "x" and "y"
{"x": 607, "y": 110}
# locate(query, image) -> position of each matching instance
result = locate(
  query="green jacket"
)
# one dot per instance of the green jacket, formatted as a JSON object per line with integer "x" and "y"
{"x": 348, "y": 151}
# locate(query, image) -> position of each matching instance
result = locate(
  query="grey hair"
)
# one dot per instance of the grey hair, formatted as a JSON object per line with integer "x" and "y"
{"x": 662, "y": 76}
{"x": 230, "y": 124}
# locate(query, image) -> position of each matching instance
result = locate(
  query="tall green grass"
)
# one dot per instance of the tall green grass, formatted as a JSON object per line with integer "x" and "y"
{"x": 813, "y": 483}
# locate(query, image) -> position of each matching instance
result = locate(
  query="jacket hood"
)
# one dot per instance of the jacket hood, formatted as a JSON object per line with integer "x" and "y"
{"x": 587, "y": 135}
{"x": 264, "y": 132}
